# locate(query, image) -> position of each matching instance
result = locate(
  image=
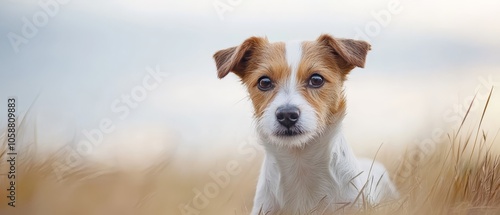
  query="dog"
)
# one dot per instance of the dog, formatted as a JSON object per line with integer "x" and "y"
{"x": 296, "y": 89}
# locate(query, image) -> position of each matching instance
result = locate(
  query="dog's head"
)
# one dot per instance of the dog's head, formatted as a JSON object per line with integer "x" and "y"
{"x": 296, "y": 87}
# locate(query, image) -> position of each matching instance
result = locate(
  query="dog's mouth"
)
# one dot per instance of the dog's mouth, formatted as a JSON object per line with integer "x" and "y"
{"x": 288, "y": 132}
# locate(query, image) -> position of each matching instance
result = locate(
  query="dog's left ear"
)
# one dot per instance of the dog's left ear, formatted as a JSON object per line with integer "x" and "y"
{"x": 348, "y": 53}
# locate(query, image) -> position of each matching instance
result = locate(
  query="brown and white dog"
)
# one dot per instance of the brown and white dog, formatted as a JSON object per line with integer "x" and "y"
{"x": 297, "y": 92}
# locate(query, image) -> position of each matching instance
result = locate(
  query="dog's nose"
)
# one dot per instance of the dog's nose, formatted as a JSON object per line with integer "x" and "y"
{"x": 287, "y": 115}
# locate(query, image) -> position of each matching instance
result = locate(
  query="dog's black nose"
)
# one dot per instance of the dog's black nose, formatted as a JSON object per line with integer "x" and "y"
{"x": 287, "y": 115}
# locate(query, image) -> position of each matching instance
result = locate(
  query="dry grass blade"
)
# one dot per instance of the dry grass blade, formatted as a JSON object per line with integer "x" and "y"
{"x": 481, "y": 121}
{"x": 466, "y": 114}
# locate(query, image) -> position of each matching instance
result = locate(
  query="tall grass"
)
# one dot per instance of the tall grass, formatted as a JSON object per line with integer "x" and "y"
{"x": 460, "y": 175}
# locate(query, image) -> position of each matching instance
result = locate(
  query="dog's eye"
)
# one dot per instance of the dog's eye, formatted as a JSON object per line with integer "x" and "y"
{"x": 265, "y": 83}
{"x": 316, "y": 81}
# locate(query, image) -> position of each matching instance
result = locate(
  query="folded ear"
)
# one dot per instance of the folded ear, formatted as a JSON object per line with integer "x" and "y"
{"x": 351, "y": 53}
{"x": 236, "y": 59}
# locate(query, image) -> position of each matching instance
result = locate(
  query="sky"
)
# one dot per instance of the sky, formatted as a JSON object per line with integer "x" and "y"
{"x": 83, "y": 58}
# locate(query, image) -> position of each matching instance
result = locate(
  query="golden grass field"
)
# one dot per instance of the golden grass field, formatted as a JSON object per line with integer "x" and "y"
{"x": 459, "y": 174}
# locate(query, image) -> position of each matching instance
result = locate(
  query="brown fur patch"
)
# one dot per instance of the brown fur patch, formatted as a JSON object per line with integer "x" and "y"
{"x": 253, "y": 59}
{"x": 349, "y": 53}
{"x": 269, "y": 61}
{"x": 240, "y": 58}
{"x": 326, "y": 100}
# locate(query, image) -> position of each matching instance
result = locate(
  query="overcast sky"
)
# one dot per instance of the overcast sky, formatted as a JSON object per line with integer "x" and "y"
{"x": 426, "y": 57}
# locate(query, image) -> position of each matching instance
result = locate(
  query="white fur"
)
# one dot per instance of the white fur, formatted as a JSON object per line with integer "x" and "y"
{"x": 288, "y": 95}
{"x": 293, "y": 56}
{"x": 323, "y": 175}
{"x": 268, "y": 124}
{"x": 315, "y": 172}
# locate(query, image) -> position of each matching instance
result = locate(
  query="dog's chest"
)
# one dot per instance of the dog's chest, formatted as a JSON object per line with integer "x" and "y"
{"x": 310, "y": 180}
{"x": 305, "y": 188}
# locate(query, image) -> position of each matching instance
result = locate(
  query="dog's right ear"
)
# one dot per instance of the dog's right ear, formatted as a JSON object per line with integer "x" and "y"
{"x": 236, "y": 59}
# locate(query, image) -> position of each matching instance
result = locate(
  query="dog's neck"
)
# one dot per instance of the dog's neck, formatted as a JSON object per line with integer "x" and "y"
{"x": 315, "y": 174}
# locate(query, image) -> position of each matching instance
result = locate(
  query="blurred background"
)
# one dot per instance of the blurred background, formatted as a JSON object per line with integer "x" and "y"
{"x": 146, "y": 69}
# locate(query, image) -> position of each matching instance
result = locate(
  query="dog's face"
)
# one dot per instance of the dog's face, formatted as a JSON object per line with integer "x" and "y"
{"x": 296, "y": 87}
